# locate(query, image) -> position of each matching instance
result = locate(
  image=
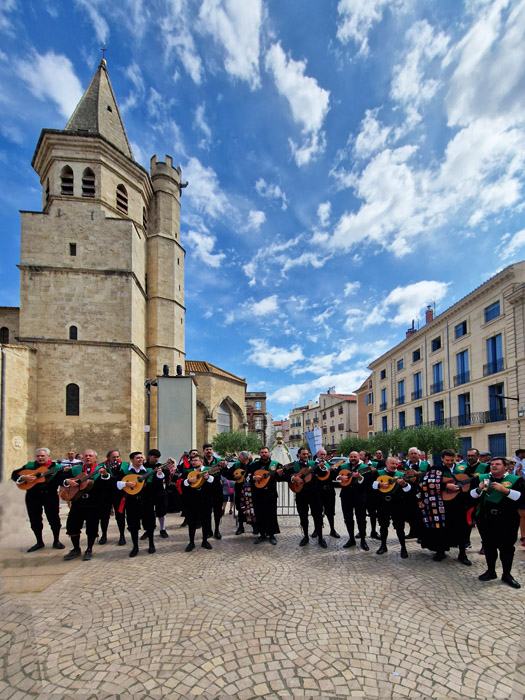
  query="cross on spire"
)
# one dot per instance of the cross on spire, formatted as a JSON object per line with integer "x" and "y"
{"x": 103, "y": 49}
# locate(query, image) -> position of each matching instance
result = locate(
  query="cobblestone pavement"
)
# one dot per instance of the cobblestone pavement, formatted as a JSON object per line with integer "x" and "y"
{"x": 249, "y": 621}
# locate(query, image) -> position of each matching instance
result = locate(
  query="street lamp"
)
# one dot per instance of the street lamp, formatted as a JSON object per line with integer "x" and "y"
{"x": 148, "y": 384}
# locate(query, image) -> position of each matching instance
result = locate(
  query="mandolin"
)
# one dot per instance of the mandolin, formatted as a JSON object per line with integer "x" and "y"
{"x": 327, "y": 470}
{"x": 261, "y": 477}
{"x": 139, "y": 479}
{"x": 352, "y": 474}
{"x": 238, "y": 475}
{"x": 41, "y": 473}
{"x": 306, "y": 474}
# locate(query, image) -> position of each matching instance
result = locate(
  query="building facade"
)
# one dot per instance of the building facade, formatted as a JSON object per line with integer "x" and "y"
{"x": 464, "y": 369}
{"x": 256, "y": 415}
{"x": 101, "y": 297}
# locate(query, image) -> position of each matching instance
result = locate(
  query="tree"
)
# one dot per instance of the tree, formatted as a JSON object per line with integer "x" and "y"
{"x": 235, "y": 441}
{"x": 431, "y": 439}
{"x": 352, "y": 444}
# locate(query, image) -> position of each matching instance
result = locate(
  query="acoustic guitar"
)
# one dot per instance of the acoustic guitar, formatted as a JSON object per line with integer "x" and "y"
{"x": 42, "y": 474}
{"x": 461, "y": 480}
{"x": 305, "y": 474}
{"x": 238, "y": 475}
{"x": 139, "y": 479}
{"x": 78, "y": 486}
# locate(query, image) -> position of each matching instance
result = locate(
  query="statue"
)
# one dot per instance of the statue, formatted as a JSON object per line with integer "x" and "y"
{"x": 279, "y": 452}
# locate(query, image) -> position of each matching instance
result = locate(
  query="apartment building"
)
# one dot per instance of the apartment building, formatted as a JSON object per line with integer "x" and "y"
{"x": 463, "y": 369}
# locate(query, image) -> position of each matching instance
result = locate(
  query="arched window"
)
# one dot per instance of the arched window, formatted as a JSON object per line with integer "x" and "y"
{"x": 73, "y": 333}
{"x": 88, "y": 183}
{"x": 72, "y": 400}
{"x": 66, "y": 178}
{"x": 224, "y": 419}
{"x": 4, "y": 335}
{"x": 122, "y": 199}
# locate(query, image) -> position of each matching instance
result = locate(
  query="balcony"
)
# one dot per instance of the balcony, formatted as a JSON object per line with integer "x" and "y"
{"x": 308, "y": 421}
{"x": 462, "y": 378}
{"x": 341, "y": 426}
{"x": 382, "y": 406}
{"x": 316, "y": 420}
{"x": 417, "y": 394}
{"x": 340, "y": 410}
{"x": 332, "y": 428}
{"x": 493, "y": 367}
{"x": 436, "y": 388}
{"x": 466, "y": 419}
{"x": 400, "y": 400}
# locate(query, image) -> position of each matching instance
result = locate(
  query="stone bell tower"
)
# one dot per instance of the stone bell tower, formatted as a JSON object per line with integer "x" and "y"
{"x": 101, "y": 279}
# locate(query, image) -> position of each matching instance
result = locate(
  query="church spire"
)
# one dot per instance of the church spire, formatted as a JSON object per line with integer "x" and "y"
{"x": 97, "y": 113}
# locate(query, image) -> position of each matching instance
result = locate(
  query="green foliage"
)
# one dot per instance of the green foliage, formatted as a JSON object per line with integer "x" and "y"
{"x": 235, "y": 441}
{"x": 430, "y": 439}
{"x": 351, "y": 444}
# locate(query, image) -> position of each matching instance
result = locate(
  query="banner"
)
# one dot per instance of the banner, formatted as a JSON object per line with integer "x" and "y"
{"x": 315, "y": 439}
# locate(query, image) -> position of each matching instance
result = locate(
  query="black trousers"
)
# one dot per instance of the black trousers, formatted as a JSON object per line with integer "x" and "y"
{"x": 351, "y": 506}
{"x": 499, "y": 534}
{"x": 309, "y": 499}
{"x": 140, "y": 511}
{"x": 86, "y": 512}
{"x": 105, "y": 512}
{"x": 391, "y": 511}
{"x": 37, "y": 501}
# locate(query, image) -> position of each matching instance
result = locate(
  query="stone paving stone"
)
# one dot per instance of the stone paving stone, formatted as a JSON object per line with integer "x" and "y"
{"x": 202, "y": 628}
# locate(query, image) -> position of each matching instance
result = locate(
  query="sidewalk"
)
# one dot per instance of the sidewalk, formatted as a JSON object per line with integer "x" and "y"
{"x": 248, "y": 621}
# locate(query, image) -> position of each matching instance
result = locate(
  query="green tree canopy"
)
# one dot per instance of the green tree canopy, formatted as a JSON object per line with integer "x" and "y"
{"x": 234, "y": 441}
{"x": 430, "y": 439}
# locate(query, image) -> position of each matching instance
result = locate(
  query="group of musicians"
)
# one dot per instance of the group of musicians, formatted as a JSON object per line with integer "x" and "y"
{"x": 440, "y": 503}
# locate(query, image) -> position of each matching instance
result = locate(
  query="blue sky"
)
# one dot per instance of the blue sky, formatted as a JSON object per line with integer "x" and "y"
{"x": 349, "y": 161}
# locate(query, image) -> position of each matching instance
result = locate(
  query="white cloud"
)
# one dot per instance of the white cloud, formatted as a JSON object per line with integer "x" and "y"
{"x": 269, "y": 305}
{"x": 358, "y": 18}
{"x": 510, "y": 245}
{"x": 202, "y": 245}
{"x": 304, "y": 259}
{"x": 271, "y": 191}
{"x": 6, "y": 7}
{"x": 200, "y": 123}
{"x": 236, "y": 25}
{"x": 178, "y": 40}
{"x": 99, "y": 23}
{"x": 323, "y": 212}
{"x": 309, "y": 103}
{"x": 409, "y": 86}
{"x": 487, "y": 81}
{"x": 351, "y": 288}
{"x": 204, "y": 190}
{"x": 272, "y": 357}
{"x": 411, "y": 300}
{"x": 344, "y": 382}
{"x": 372, "y": 137}
{"x": 134, "y": 74}
{"x": 256, "y": 219}
{"x": 52, "y": 77}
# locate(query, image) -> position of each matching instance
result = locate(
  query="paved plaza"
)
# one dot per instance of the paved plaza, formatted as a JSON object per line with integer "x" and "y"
{"x": 250, "y": 621}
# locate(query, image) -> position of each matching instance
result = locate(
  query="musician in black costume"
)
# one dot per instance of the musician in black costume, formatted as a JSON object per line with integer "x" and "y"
{"x": 499, "y": 494}
{"x": 111, "y": 499}
{"x": 210, "y": 461}
{"x": 198, "y": 502}
{"x": 326, "y": 492}
{"x": 390, "y": 505}
{"x": 265, "y": 497}
{"x": 353, "y": 497}
{"x": 444, "y": 522}
{"x": 161, "y": 495}
{"x": 243, "y": 463}
{"x": 140, "y": 507}
{"x": 42, "y": 497}
{"x": 308, "y": 498}
{"x": 86, "y": 510}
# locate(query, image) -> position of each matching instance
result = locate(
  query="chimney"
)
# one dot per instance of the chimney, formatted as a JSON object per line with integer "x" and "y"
{"x": 411, "y": 330}
{"x": 429, "y": 314}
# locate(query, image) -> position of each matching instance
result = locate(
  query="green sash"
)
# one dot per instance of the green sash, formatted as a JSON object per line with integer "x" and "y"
{"x": 493, "y": 496}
